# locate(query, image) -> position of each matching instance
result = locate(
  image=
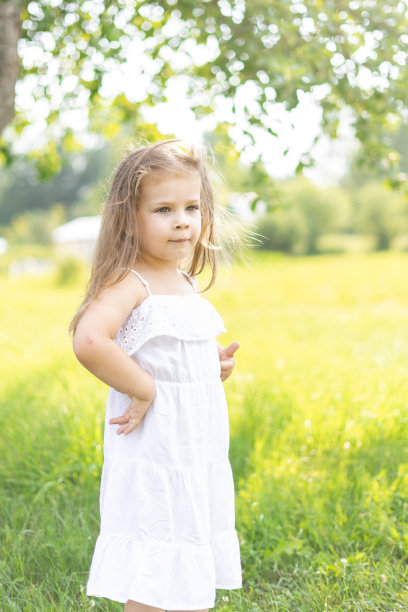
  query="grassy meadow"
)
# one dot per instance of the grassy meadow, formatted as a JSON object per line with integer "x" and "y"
{"x": 319, "y": 437}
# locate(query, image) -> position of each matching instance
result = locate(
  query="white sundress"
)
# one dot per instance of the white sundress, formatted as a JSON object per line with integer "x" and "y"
{"x": 167, "y": 535}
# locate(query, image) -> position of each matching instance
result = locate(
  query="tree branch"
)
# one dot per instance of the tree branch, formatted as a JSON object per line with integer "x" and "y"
{"x": 10, "y": 30}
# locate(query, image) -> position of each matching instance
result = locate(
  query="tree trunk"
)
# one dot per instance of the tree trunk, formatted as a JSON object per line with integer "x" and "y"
{"x": 10, "y": 29}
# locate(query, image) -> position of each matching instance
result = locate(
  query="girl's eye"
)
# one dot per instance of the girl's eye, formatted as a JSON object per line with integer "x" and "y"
{"x": 165, "y": 209}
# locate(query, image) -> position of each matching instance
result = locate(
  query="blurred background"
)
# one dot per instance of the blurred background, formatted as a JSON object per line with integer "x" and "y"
{"x": 305, "y": 106}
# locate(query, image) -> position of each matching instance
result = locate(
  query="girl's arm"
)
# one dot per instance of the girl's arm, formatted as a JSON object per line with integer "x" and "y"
{"x": 95, "y": 347}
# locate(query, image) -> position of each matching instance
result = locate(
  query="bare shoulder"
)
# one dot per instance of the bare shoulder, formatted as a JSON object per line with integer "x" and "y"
{"x": 113, "y": 305}
{"x": 128, "y": 292}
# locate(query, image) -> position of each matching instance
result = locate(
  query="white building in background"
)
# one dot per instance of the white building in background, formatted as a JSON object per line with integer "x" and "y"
{"x": 77, "y": 237}
{"x": 3, "y": 246}
{"x": 30, "y": 266}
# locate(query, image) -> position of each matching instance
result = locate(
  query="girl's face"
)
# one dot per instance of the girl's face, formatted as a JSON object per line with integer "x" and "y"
{"x": 169, "y": 216}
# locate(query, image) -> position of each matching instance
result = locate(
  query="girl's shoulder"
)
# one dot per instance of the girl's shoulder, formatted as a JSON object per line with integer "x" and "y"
{"x": 112, "y": 306}
{"x": 124, "y": 295}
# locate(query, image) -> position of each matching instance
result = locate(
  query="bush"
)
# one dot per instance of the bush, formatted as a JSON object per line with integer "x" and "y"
{"x": 282, "y": 231}
{"x": 307, "y": 213}
{"x": 380, "y": 212}
{"x": 69, "y": 272}
{"x": 35, "y": 226}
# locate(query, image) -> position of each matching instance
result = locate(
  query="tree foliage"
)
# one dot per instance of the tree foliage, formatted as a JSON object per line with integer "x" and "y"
{"x": 345, "y": 53}
{"x": 21, "y": 191}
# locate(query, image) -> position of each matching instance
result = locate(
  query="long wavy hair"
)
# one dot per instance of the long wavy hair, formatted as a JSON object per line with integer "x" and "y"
{"x": 118, "y": 244}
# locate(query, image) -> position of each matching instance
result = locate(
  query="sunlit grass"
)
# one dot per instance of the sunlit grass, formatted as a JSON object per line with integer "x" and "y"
{"x": 319, "y": 438}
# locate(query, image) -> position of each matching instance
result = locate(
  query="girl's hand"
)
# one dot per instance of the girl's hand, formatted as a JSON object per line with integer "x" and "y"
{"x": 132, "y": 416}
{"x": 227, "y": 359}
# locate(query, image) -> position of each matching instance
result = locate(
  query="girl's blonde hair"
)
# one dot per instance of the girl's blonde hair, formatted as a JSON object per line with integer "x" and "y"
{"x": 118, "y": 244}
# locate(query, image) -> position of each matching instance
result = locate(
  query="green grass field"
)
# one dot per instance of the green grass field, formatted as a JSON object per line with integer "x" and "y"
{"x": 319, "y": 438}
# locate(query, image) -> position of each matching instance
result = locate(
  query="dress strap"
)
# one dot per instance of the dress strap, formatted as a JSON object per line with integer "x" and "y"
{"x": 146, "y": 284}
{"x": 191, "y": 280}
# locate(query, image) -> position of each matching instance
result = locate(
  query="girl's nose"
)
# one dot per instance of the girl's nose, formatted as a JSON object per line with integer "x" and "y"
{"x": 181, "y": 221}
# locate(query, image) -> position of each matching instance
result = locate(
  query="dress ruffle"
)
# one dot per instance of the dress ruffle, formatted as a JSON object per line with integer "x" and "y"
{"x": 161, "y": 532}
{"x": 156, "y": 316}
{"x": 125, "y": 568}
{"x": 167, "y": 502}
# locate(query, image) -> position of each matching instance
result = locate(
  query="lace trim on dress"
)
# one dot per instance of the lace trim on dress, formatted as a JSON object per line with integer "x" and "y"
{"x": 156, "y": 317}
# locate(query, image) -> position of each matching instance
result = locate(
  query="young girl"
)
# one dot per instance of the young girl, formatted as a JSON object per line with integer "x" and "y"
{"x": 167, "y": 538}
